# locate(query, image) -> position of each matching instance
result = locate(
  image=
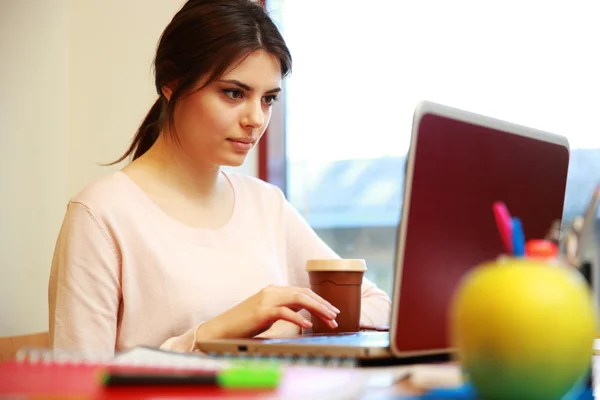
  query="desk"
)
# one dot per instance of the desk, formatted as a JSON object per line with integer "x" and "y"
{"x": 401, "y": 388}
{"x": 404, "y": 388}
{"x": 82, "y": 383}
{"x": 390, "y": 382}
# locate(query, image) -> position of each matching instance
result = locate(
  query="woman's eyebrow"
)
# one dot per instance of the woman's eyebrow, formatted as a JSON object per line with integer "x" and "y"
{"x": 246, "y": 87}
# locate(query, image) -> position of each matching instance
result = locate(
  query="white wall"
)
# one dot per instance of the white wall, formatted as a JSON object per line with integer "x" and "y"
{"x": 76, "y": 81}
{"x": 33, "y": 155}
{"x": 111, "y": 46}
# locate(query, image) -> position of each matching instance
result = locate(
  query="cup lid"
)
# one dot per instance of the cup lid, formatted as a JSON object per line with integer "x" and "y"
{"x": 336, "y": 264}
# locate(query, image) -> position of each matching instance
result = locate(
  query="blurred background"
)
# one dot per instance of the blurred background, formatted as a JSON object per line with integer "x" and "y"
{"x": 360, "y": 68}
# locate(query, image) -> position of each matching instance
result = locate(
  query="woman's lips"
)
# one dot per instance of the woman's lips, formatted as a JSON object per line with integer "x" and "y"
{"x": 240, "y": 145}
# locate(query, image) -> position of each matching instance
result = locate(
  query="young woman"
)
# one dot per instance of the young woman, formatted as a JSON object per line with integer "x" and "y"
{"x": 171, "y": 249}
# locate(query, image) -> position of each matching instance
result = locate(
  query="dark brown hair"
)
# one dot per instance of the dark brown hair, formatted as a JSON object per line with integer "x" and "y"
{"x": 203, "y": 40}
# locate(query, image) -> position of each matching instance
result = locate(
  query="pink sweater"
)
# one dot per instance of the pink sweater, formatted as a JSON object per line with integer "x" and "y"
{"x": 125, "y": 274}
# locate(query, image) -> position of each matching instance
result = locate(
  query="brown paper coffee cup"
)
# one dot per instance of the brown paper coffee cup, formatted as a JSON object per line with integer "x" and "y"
{"x": 339, "y": 282}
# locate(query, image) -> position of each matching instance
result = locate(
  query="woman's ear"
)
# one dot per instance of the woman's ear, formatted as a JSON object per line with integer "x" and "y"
{"x": 167, "y": 90}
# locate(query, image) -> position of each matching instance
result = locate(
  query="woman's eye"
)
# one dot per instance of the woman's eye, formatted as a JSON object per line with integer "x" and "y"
{"x": 233, "y": 94}
{"x": 270, "y": 99}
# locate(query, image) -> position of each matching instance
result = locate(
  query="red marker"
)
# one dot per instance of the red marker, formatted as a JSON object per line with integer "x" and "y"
{"x": 504, "y": 225}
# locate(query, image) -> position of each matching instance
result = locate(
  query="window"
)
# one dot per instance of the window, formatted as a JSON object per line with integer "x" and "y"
{"x": 360, "y": 69}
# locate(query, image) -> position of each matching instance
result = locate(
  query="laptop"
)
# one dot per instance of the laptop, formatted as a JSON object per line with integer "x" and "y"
{"x": 459, "y": 163}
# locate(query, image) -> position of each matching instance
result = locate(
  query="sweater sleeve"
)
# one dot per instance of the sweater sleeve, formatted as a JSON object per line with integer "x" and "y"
{"x": 303, "y": 244}
{"x": 84, "y": 290}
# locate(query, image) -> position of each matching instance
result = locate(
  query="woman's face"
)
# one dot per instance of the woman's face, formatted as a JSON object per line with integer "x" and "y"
{"x": 221, "y": 123}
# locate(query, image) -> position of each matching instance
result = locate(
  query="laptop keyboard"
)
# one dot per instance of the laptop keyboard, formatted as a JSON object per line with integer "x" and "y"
{"x": 356, "y": 339}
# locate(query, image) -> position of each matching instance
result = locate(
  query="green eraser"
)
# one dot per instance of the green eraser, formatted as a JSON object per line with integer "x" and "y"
{"x": 244, "y": 377}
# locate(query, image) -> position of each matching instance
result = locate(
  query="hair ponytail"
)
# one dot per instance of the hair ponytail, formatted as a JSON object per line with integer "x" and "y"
{"x": 147, "y": 133}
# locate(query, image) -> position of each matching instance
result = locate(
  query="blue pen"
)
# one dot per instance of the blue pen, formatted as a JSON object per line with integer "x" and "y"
{"x": 518, "y": 238}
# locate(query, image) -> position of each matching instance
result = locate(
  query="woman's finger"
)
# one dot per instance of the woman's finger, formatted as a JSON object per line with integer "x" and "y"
{"x": 286, "y": 314}
{"x": 321, "y": 300}
{"x": 298, "y": 300}
{"x": 331, "y": 311}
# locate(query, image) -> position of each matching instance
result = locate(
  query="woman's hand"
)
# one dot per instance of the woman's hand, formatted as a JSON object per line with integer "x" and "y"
{"x": 257, "y": 313}
{"x": 281, "y": 329}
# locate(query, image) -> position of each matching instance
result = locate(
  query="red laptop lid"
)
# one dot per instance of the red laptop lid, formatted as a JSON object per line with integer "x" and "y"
{"x": 459, "y": 165}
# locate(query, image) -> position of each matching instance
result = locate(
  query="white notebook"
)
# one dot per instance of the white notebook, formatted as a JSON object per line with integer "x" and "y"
{"x": 144, "y": 356}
